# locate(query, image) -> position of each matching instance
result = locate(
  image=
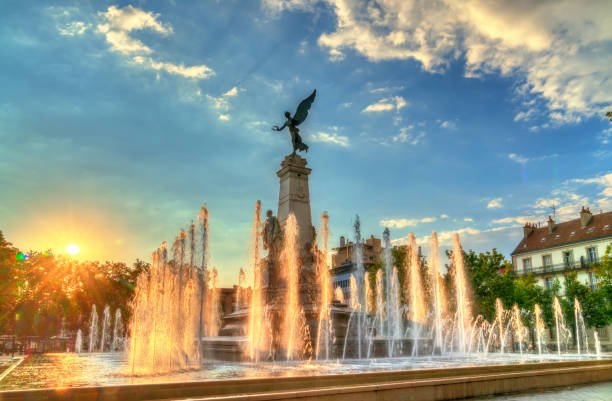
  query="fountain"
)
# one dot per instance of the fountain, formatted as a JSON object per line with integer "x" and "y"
{"x": 93, "y": 329}
{"x": 288, "y": 320}
{"x": 165, "y": 322}
{"x": 118, "y": 342}
{"x": 562, "y": 333}
{"x": 293, "y": 314}
{"x": 416, "y": 295}
{"x": 436, "y": 283}
{"x": 464, "y": 308}
{"x": 597, "y": 344}
{"x": 104, "y": 339}
{"x": 325, "y": 327}
{"x": 78, "y": 343}
{"x": 581, "y": 332}
{"x": 540, "y": 328}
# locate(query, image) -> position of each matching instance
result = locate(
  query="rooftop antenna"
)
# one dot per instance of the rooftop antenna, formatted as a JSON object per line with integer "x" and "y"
{"x": 554, "y": 211}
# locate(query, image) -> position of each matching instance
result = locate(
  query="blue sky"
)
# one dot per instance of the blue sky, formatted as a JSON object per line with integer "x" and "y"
{"x": 118, "y": 120}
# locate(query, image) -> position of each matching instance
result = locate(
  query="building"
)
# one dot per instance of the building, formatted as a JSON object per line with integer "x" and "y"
{"x": 552, "y": 251}
{"x": 344, "y": 263}
{"x": 556, "y": 249}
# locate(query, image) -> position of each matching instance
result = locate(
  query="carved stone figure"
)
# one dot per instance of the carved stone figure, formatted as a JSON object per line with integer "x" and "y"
{"x": 271, "y": 233}
{"x": 292, "y": 122}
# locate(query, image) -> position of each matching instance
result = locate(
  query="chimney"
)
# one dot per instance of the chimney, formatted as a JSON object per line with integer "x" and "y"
{"x": 342, "y": 242}
{"x": 551, "y": 225}
{"x": 585, "y": 217}
{"x": 528, "y": 229}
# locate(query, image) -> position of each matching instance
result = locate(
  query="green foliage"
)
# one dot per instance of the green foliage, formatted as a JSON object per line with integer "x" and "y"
{"x": 492, "y": 277}
{"x": 603, "y": 270}
{"x": 38, "y": 292}
{"x": 592, "y": 303}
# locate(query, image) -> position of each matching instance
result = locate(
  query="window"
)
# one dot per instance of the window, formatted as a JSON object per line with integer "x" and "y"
{"x": 549, "y": 283}
{"x": 592, "y": 254}
{"x": 593, "y": 279}
{"x": 527, "y": 265}
{"x": 568, "y": 259}
{"x": 590, "y": 230}
{"x": 547, "y": 261}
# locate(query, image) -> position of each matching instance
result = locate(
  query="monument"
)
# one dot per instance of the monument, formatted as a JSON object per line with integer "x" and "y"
{"x": 276, "y": 276}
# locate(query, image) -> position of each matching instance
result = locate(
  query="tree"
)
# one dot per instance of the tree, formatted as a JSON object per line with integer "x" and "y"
{"x": 603, "y": 270}
{"x": 39, "y": 291}
{"x": 487, "y": 282}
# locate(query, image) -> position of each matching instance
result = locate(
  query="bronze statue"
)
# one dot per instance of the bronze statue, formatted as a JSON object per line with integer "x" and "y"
{"x": 292, "y": 122}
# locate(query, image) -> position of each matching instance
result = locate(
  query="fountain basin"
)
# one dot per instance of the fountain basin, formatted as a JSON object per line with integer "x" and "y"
{"x": 421, "y": 384}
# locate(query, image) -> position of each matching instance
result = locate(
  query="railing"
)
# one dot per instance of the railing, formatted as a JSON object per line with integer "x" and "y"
{"x": 559, "y": 267}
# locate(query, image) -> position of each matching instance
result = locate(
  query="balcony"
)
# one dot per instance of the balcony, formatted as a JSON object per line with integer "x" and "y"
{"x": 560, "y": 267}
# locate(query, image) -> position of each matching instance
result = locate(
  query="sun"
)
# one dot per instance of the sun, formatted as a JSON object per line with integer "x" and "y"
{"x": 72, "y": 249}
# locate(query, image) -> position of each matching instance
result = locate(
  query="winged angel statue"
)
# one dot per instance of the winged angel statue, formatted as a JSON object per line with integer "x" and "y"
{"x": 292, "y": 122}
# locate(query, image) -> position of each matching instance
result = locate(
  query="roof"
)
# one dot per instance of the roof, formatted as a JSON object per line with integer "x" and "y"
{"x": 565, "y": 233}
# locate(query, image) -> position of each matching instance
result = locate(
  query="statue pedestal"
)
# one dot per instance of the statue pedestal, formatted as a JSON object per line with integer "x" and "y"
{"x": 294, "y": 197}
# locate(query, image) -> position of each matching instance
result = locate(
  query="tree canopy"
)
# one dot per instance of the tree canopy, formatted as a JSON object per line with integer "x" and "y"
{"x": 40, "y": 291}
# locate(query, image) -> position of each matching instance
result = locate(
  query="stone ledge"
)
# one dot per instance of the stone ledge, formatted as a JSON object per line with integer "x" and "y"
{"x": 425, "y": 384}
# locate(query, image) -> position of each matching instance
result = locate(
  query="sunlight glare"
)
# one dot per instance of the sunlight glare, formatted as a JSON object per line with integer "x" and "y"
{"x": 72, "y": 249}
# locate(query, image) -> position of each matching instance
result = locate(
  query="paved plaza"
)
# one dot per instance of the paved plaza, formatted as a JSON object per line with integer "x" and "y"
{"x": 595, "y": 392}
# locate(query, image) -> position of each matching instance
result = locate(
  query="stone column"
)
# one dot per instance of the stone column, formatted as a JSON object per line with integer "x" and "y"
{"x": 294, "y": 196}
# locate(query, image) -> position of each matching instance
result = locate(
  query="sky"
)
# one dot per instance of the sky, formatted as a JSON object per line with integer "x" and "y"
{"x": 118, "y": 120}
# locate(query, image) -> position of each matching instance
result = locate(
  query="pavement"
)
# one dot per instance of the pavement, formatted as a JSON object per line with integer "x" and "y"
{"x": 592, "y": 392}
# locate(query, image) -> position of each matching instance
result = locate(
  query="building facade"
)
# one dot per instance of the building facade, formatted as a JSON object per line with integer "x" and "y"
{"x": 556, "y": 249}
{"x": 344, "y": 263}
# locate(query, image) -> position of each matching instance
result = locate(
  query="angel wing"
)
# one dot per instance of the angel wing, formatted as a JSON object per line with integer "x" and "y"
{"x": 302, "y": 110}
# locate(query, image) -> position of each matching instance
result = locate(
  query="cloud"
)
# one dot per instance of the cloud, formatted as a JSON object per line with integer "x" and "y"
{"x": 525, "y": 115}
{"x": 515, "y": 220}
{"x": 401, "y": 223}
{"x": 557, "y": 51}
{"x": 468, "y": 219}
{"x": 604, "y": 136}
{"x": 195, "y": 72}
{"x": 471, "y": 238}
{"x": 405, "y": 136}
{"x": 117, "y": 25}
{"x": 277, "y": 6}
{"x": 516, "y": 158}
{"x": 444, "y": 216}
{"x": 232, "y": 92}
{"x": 524, "y": 160}
{"x": 334, "y": 139}
{"x": 494, "y": 203}
{"x": 604, "y": 182}
{"x": 448, "y": 125}
{"x": 73, "y": 28}
{"x": 386, "y": 89}
{"x": 221, "y": 103}
{"x": 303, "y": 46}
{"x": 386, "y": 104}
{"x": 566, "y": 201}
{"x": 258, "y": 123}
